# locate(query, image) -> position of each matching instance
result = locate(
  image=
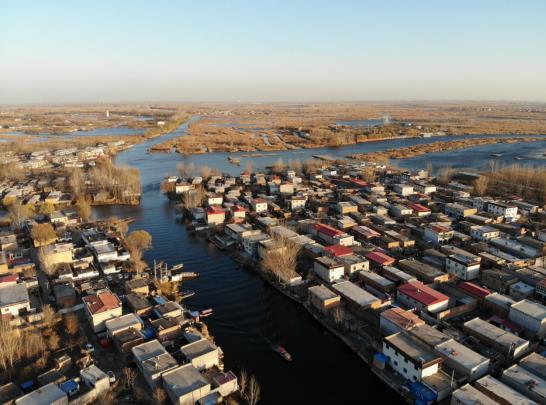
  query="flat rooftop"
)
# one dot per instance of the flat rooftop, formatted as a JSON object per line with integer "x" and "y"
{"x": 535, "y": 363}
{"x": 322, "y": 292}
{"x": 503, "y": 391}
{"x": 412, "y": 349}
{"x": 461, "y": 354}
{"x": 148, "y": 350}
{"x": 494, "y": 333}
{"x": 467, "y": 394}
{"x": 198, "y": 348}
{"x": 354, "y": 293}
{"x": 48, "y": 394}
{"x": 518, "y": 376}
{"x": 183, "y": 380}
{"x": 531, "y": 308}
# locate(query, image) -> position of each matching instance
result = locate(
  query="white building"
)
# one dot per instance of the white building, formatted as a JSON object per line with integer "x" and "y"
{"x": 509, "y": 212}
{"x": 403, "y": 189}
{"x": 530, "y": 315}
{"x": 465, "y": 361}
{"x": 328, "y": 269}
{"x": 409, "y": 358}
{"x": 14, "y": 299}
{"x": 259, "y": 205}
{"x": 438, "y": 234}
{"x": 464, "y": 267}
{"x": 484, "y": 232}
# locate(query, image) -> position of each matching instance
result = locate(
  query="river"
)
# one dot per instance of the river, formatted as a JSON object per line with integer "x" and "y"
{"x": 249, "y": 315}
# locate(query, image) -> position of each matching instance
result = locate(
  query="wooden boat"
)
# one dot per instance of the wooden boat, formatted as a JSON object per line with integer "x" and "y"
{"x": 188, "y": 275}
{"x": 282, "y": 352}
{"x": 185, "y": 294}
{"x": 234, "y": 160}
{"x": 205, "y": 313}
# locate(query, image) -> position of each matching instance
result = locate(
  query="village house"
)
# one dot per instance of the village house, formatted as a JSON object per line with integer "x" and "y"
{"x": 101, "y": 307}
{"x": 215, "y": 215}
{"x": 202, "y": 354}
{"x": 14, "y": 299}
{"x": 185, "y": 385}
{"x": 418, "y": 295}
{"x": 464, "y": 266}
{"x": 322, "y": 298}
{"x": 484, "y": 232}
{"x": 409, "y": 358}
{"x": 259, "y": 205}
{"x": 328, "y": 269}
{"x": 438, "y": 234}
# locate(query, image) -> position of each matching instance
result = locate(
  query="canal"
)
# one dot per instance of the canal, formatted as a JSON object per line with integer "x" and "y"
{"x": 249, "y": 315}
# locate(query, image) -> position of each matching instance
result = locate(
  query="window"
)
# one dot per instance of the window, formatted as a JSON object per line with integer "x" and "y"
{"x": 395, "y": 363}
{"x": 405, "y": 370}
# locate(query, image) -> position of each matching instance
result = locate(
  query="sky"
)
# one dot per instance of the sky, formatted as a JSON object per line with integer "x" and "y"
{"x": 271, "y": 50}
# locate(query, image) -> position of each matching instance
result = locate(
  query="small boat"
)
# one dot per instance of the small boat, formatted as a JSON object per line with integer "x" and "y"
{"x": 518, "y": 158}
{"x": 282, "y": 352}
{"x": 234, "y": 160}
{"x": 188, "y": 275}
{"x": 206, "y": 312}
{"x": 185, "y": 294}
{"x": 496, "y": 155}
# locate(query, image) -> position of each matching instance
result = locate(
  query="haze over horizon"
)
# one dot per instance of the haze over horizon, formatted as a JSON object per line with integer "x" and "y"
{"x": 135, "y": 51}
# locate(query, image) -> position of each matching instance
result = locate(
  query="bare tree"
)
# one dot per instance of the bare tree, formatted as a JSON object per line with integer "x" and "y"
{"x": 243, "y": 381}
{"x": 159, "y": 396}
{"x": 19, "y": 213}
{"x": 71, "y": 324}
{"x": 193, "y": 198}
{"x": 186, "y": 169}
{"x": 338, "y": 316}
{"x": 480, "y": 185}
{"x": 49, "y": 317}
{"x": 129, "y": 377}
{"x": 254, "y": 391}
{"x": 76, "y": 182}
{"x": 278, "y": 167}
{"x": 205, "y": 172}
{"x": 137, "y": 242}
{"x": 84, "y": 209}
{"x": 43, "y": 234}
{"x": 368, "y": 174}
{"x": 106, "y": 398}
{"x": 295, "y": 165}
{"x": 249, "y": 167}
{"x": 282, "y": 258}
{"x": 445, "y": 174}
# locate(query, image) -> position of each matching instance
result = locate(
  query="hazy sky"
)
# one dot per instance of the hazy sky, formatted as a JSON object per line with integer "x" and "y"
{"x": 271, "y": 50}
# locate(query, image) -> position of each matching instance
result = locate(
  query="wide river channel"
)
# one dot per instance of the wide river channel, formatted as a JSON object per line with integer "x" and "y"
{"x": 249, "y": 315}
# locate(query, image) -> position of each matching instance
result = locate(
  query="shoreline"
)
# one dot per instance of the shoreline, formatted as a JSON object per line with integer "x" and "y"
{"x": 499, "y": 137}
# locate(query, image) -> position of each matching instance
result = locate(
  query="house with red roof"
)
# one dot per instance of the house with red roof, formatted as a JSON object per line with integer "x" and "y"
{"x": 331, "y": 235}
{"x": 420, "y": 210}
{"x": 337, "y": 251}
{"x": 438, "y": 234}
{"x": 259, "y": 205}
{"x": 238, "y": 213}
{"x": 379, "y": 259}
{"x": 215, "y": 215}
{"x": 421, "y": 296}
{"x": 101, "y": 307}
{"x": 474, "y": 290}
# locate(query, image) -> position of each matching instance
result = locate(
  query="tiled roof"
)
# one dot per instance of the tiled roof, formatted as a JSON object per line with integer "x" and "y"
{"x": 380, "y": 258}
{"x": 327, "y": 230}
{"x": 102, "y": 302}
{"x": 422, "y": 293}
{"x": 338, "y": 250}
